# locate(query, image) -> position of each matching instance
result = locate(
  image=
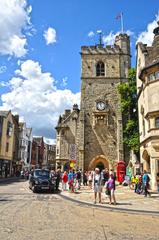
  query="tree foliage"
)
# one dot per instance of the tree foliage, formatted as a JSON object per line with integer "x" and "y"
{"x": 129, "y": 110}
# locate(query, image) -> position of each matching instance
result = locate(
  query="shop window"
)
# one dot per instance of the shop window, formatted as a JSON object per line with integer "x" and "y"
{"x": 157, "y": 122}
{"x": 143, "y": 124}
{"x": 152, "y": 77}
{"x": 100, "y": 69}
{"x": 7, "y": 147}
{"x": 157, "y": 75}
{"x": 149, "y": 124}
{"x": 9, "y": 129}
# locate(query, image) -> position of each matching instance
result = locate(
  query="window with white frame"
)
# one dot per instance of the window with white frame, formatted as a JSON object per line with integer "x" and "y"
{"x": 157, "y": 122}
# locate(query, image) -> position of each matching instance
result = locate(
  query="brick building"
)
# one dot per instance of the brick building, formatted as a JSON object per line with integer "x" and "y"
{"x": 37, "y": 154}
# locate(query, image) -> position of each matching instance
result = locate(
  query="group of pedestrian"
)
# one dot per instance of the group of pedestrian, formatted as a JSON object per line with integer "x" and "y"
{"x": 87, "y": 178}
{"x": 103, "y": 180}
{"x": 142, "y": 183}
{"x": 70, "y": 180}
{"x": 56, "y": 177}
{"x": 24, "y": 174}
{"x": 96, "y": 180}
{"x": 99, "y": 181}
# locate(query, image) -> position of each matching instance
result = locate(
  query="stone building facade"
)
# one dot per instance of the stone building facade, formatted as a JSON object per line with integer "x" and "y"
{"x": 148, "y": 105}
{"x": 8, "y": 143}
{"x": 67, "y": 136}
{"x": 25, "y": 145}
{"x": 96, "y": 130}
{"x": 51, "y": 149}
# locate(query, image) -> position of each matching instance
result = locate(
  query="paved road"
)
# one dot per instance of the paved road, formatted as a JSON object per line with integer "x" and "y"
{"x": 28, "y": 216}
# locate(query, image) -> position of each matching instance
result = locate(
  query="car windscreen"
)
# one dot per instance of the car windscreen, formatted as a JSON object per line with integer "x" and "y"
{"x": 41, "y": 173}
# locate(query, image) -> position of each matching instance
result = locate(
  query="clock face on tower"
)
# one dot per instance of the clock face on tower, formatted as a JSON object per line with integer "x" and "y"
{"x": 101, "y": 106}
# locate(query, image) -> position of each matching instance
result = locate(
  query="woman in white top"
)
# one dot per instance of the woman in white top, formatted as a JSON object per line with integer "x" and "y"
{"x": 97, "y": 184}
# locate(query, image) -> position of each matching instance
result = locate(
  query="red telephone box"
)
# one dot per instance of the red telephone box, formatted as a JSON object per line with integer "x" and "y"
{"x": 121, "y": 171}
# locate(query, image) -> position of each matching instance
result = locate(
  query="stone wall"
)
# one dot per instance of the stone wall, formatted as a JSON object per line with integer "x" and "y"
{"x": 103, "y": 136}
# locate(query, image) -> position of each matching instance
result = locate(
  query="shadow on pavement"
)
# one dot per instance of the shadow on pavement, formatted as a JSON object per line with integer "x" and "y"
{"x": 123, "y": 203}
{"x": 8, "y": 181}
{"x": 47, "y": 192}
{"x": 5, "y": 200}
{"x": 156, "y": 196}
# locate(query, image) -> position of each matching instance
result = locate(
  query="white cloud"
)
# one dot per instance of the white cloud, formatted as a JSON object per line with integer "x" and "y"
{"x": 34, "y": 96}
{"x": 147, "y": 36}
{"x": 110, "y": 38}
{"x": 14, "y": 20}
{"x": 50, "y": 141}
{"x": 91, "y": 34}
{"x": 50, "y": 36}
{"x": 4, "y": 84}
{"x": 99, "y": 31}
{"x": 3, "y": 69}
{"x": 64, "y": 82}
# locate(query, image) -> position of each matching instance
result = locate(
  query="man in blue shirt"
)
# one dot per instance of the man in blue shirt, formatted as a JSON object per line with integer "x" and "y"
{"x": 145, "y": 182}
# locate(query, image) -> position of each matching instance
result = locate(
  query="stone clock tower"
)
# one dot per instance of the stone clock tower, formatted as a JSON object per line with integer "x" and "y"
{"x": 100, "y": 121}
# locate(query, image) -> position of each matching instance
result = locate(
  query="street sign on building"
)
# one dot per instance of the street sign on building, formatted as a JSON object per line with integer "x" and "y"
{"x": 72, "y": 152}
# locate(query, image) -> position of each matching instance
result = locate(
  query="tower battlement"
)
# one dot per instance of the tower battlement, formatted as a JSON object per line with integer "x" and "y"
{"x": 122, "y": 36}
{"x": 121, "y": 45}
{"x": 114, "y": 49}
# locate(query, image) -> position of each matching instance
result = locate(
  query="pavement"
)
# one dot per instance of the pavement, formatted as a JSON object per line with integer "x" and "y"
{"x": 127, "y": 200}
{"x": 9, "y": 179}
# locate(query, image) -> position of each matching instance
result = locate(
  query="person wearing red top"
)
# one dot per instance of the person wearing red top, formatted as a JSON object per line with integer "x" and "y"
{"x": 64, "y": 181}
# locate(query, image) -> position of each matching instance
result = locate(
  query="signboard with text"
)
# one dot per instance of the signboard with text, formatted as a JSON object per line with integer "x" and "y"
{"x": 72, "y": 152}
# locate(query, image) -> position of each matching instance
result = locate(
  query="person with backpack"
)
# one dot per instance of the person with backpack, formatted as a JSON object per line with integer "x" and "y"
{"x": 145, "y": 181}
{"x": 110, "y": 189}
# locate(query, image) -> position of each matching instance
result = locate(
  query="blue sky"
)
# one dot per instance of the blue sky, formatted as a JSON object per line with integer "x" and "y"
{"x": 40, "y": 45}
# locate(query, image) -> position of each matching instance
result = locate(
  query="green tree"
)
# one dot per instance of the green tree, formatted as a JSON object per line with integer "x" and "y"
{"x": 129, "y": 110}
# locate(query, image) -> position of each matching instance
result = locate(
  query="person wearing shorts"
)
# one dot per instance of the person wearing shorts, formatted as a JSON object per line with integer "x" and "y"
{"x": 97, "y": 185}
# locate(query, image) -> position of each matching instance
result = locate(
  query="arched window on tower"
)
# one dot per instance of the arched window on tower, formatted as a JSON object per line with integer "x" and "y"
{"x": 100, "y": 69}
{"x": 157, "y": 122}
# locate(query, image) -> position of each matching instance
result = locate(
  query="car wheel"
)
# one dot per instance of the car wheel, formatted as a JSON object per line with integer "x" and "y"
{"x": 34, "y": 189}
{"x": 52, "y": 190}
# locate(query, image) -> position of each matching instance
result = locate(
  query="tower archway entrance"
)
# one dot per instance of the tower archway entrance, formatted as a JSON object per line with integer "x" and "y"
{"x": 100, "y": 165}
{"x": 99, "y": 161}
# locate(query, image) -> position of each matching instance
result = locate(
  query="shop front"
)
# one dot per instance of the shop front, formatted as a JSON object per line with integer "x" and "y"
{"x": 5, "y": 168}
